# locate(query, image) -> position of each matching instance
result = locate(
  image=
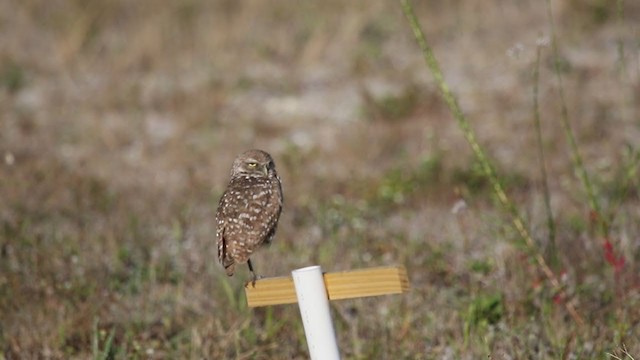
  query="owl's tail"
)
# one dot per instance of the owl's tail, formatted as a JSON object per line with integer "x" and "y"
{"x": 229, "y": 267}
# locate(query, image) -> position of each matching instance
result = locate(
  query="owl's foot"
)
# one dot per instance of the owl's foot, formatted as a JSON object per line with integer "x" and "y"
{"x": 254, "y": 278}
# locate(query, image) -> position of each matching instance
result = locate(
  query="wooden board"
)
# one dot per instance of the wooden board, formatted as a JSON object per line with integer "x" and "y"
{"x": 340, "y": 285}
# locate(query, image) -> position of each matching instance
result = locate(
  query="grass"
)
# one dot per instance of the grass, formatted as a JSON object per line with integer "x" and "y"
{"x": 486, "y": 166}
{"x": 120, "y": 121}
{"x": 576, "y": 155}
{"x": 551, "y": 224}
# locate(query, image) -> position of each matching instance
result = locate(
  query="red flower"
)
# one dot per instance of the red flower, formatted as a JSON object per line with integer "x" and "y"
{"x": 617, "y": 262}
{"x": 558, "y": 299}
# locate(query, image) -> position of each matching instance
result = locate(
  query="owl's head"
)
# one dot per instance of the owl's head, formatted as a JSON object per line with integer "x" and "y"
{"x": 253, "y": 163}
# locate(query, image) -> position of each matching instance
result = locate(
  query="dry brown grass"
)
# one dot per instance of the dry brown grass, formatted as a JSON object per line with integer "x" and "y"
{"x": 120, "y": 120}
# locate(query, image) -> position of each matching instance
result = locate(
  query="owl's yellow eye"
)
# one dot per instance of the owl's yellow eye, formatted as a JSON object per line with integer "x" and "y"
{"x": 252, "y": 165}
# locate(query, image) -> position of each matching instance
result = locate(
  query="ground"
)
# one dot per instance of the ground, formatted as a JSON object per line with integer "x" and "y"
{"x": 120, "y": 121}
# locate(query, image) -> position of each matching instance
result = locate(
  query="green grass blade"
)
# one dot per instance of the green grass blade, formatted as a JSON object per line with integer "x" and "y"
{"x": 551, "y": 224}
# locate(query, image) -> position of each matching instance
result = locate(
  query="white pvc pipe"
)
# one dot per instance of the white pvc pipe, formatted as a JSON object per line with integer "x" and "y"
{"x": 314, "y": 309}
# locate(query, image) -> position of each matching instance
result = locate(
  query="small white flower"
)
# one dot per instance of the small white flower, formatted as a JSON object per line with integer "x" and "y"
{"x": 542, "y": 41}
{"x": 9, "y": 159}
{"x": 515, "y": 51}
{"x": 459, "y": 206}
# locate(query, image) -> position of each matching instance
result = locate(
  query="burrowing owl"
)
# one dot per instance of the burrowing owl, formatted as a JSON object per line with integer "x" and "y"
{"x": 249, "y": 209}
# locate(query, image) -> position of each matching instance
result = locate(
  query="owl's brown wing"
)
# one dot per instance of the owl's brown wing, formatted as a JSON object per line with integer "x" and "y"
{"x": 221, "y": 225}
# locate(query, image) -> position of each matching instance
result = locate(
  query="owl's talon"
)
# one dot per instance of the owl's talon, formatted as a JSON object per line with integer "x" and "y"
{"x": 253, "y": 280}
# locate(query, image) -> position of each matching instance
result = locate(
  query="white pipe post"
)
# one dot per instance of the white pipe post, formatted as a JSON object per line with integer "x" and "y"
{"x": 314, "y": 310}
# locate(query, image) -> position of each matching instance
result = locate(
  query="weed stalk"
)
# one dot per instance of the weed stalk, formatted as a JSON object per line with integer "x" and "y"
{"x": 488, "y": 169}
{"x": 551, "y": 225}
{"x": 578, "y": 163}
{"x": 622, "y": 65}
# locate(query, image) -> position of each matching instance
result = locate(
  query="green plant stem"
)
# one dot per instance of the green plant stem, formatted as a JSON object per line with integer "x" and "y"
{"x": 622, "y": 66}
{"x": 630, "y": 169}
{"x": 551, "y": 224}
{"x": 578, "y": 163}
{"x": 488, "y": 170}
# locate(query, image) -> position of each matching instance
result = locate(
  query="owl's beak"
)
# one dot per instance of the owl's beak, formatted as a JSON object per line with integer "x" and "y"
{"x": 265, "y": 170}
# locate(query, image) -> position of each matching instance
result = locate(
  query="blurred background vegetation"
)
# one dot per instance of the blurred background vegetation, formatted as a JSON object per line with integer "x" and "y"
{"x": 120, "y": 119}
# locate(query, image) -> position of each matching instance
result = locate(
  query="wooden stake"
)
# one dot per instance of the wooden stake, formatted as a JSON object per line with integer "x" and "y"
{"x": 340, "y": 285}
